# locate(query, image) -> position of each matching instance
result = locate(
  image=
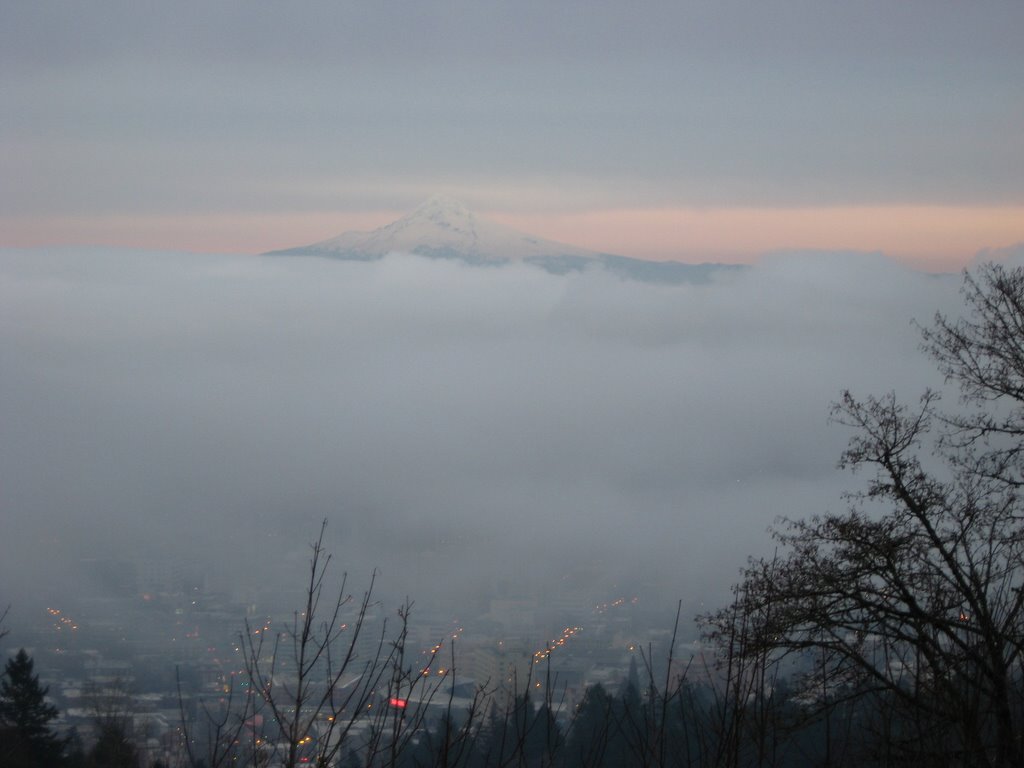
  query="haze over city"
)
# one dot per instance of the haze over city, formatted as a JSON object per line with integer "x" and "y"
{"x": 158, "y": 400}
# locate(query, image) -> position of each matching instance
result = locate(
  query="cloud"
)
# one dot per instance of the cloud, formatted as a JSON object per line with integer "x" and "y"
{"x": 460, "y": 427}
{"x": 1011, "y": 255}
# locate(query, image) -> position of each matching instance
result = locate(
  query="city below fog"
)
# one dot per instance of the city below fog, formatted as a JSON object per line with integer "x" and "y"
{"x": 537, "y": 463}
{"x": 467, "y": 432}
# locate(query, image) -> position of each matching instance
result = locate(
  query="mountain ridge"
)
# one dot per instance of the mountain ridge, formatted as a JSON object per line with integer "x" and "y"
{"x": 444, "y": 228}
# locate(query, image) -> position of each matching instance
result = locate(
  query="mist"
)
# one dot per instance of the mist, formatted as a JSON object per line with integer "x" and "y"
{"x": 466, "y": 431}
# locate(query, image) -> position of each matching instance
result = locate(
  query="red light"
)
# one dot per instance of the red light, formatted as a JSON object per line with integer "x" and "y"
{"x": 394, "y": 701}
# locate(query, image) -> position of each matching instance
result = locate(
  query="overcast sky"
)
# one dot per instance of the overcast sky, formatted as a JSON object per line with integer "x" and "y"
{"x": 679, "y": 129}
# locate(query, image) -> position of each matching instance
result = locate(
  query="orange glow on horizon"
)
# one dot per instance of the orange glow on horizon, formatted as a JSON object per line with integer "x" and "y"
{"x": 931, "y": 237}
{"x": 935, "y": 237}
{"x": 242, "y": 233}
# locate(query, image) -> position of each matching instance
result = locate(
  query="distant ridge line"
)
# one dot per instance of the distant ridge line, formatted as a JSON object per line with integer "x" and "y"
{"x": 443, "y": 228}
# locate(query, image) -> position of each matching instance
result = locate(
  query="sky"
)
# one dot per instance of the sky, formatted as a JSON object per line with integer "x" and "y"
{"x": 467, "y": 431}
{"x": 699, "y": 131}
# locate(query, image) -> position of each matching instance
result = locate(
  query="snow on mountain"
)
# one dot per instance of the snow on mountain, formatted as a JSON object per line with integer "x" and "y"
{"x": 443, "y": 228}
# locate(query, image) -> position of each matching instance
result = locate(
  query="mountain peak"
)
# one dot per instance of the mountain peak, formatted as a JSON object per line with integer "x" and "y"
{"x": 441, "y": 208}
{"x": 441, "y": 227}
{"x": 441, "y": 213}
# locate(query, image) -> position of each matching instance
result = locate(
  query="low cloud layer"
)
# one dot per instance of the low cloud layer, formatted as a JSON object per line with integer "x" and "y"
{"x": 462, "y": 428}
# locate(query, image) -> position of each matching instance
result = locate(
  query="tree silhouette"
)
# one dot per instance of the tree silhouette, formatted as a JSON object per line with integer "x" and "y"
{"x": 113, "y": 748}
{"x": 595, "y": 738}
{"x": 26, "y": 737}
{"x": 914, "y": 597}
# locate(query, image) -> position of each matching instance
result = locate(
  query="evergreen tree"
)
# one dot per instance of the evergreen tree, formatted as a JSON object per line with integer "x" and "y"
{"x": 113, "y": 749}
{"x": 25, "y": 735}
{"x": 592, "y": 730}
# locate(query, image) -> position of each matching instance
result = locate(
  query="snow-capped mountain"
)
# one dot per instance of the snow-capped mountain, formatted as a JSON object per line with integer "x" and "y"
{"x": 442, "y": 228}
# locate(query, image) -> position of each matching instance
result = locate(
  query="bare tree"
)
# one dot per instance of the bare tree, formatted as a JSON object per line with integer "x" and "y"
{"x": 112, "y": 708}
{"x": 915, "y": 595}
{"x": 322, "y": 687}
{"x": 983, "y": 354}
{"x": 740, "y": 723}
{"x": 308, "y": 679}
{"x": 221, "y": 726}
